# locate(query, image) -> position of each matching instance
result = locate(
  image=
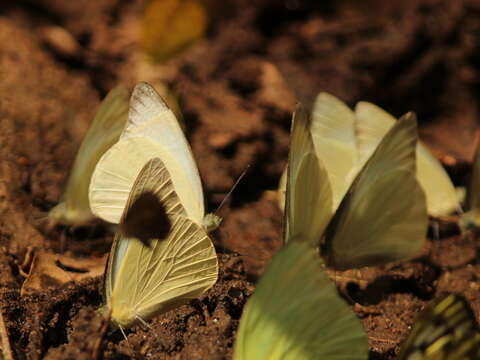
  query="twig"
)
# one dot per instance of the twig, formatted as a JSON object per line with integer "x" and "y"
{"x": 97, "y": 353}
{"x": 6, "y": 349}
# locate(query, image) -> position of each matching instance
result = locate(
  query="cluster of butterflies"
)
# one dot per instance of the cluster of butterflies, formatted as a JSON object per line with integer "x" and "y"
{"x": 356, "y": 190}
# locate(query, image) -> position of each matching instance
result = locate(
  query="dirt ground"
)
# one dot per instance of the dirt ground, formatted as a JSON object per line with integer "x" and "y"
{"x": 236, "y": 89}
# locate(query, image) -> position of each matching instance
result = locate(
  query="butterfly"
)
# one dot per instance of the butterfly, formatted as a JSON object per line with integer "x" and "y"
{"x": 372, "y": 123}
{"x": 73, "y": 208}
{"x": 381, "y": 218}
{"x": 296, "y": 313}
{"x": 152, "y": 130}
{"x": 145, "y": 280}
{"x": 446, "y": 329}
{"x": 471, "y": 218}
{"x": 344, "y": 140}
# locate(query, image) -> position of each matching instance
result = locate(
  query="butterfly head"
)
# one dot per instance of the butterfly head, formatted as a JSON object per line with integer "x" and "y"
{"x": 211, "y": 222}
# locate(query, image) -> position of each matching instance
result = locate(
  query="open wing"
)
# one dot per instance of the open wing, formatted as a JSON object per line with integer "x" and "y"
{"x": 104, "y": 131}
{"x": 446, "y": 329}
{"x": 383, "y": 217}
{"x": 144, "y": 281}
{"x": 297, "y": 314}
{"x": 308, "y": 195}
{"x": 372, "y": 124}
{"x": 151, "y": 131}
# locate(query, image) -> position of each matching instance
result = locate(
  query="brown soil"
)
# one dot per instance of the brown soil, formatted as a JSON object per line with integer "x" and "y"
{"x": 237, "y": 88}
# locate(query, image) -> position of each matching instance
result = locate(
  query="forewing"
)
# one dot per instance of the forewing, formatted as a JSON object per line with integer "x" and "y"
{"x": 104, "y": 131}
{"x": 308, "y": 195}
{"x": 446, "y": 329}
{"x": 150, "y": 117}
{"x": 333, "y": 134}
{"x": 296, "y": 313}
{"x": 383, "y": 217}
{"x": 153, "y": 179}
{"x": 372, "y": 124}
{"x": 115, "y": 173}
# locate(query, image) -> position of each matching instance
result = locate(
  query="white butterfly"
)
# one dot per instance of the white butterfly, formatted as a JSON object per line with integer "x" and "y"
{"x": 177, "y": 265}
{"x": 152, "y": 130}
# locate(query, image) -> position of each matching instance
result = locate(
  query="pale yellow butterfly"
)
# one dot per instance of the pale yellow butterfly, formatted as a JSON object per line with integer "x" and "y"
{"x": 344, "y": 141}
{"x": 445, "y": 330}
{"x": 471, "y": 218}
{"x": 142, "y": 281}
{"x": 73, "y": 208}
{"x": 372, "y": 123}
{"x": 332, "y": 130}
{"x": 382, "y": 217}
{"x": 308, "y": 200}
{"x": 297, "y": 314}
{"x": 151, "y": 131}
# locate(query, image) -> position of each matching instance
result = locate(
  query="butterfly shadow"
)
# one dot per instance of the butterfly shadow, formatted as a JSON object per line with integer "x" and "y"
{"x": 420, "y": 285}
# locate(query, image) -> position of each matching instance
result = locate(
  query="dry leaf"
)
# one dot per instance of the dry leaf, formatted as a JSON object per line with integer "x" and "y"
{"x": 171, "y": 25}
{"x": 52, "y": 270}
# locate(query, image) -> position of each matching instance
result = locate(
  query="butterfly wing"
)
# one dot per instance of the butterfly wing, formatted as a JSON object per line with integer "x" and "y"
{"x": 333, "y": 134}
{"x": 154, "y": 179}
{"x": 104, "y": 131}
{"x": 144, "y": 281}
{"x": 307, "y": 186}
{"x": 472, "y": 217}
{"x": 372, "y": 124}
{"x": 296, "y": 313}
{"x": 383, "y": 217}
{"x": 446, "y": 329}
{"x": 151, "y": 131}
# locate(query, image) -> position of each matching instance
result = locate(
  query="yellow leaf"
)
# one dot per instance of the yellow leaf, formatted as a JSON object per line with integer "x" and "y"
{"x": 171, "y": 25}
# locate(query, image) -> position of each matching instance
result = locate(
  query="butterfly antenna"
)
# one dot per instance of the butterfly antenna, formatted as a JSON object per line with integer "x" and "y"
{"x": 40, "y": 216}
{"x": 126, "y": 339}
{"x": 232, "y": 189}
{"x": 123, "y": 333}
{"x": 148, "y": 326}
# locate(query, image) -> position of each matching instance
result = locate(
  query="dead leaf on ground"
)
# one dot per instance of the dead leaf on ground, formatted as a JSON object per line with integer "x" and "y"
{"x": 52, "y": 270}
